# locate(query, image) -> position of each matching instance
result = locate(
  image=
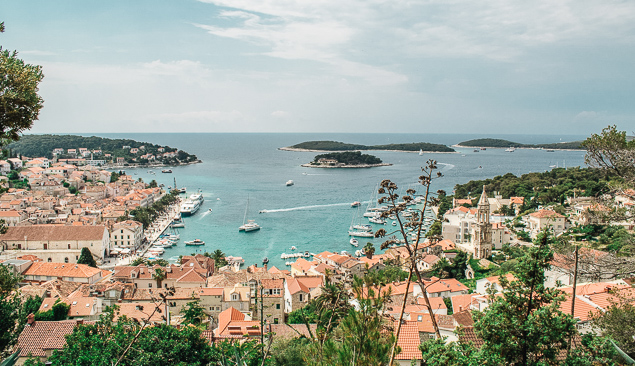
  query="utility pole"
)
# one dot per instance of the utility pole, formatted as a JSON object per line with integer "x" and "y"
{"x": 575, "y": 282}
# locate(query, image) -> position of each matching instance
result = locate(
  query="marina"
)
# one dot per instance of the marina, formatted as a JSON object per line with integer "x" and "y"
{"x": 314, "y": 215}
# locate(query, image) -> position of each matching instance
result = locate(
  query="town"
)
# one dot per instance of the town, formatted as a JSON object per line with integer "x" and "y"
{"x": 72, "y": 240}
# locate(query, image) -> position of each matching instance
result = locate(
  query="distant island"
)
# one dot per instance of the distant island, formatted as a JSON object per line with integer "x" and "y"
{"x": 99, "y": 151}
{"x": 488, "y": 142}
{"x": 347, "y": 159}
{"x": 341, "y": 146}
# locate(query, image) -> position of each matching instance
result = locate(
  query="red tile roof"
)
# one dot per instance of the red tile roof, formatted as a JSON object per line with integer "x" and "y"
{"x": 41, "y": 336}
{"x": 408, "y": 341}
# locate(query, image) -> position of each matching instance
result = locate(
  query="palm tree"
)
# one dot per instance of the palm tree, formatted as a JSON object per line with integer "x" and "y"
{"x": 219, "y": 258}
{"x": 159, "y": 275}
{"x": 369, "y": 250}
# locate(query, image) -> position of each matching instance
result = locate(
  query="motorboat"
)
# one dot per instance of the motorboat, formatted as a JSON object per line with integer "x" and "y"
{"x": 476, "y": 150}
{"x": 209, "y": 210}
{"x": 377, "y": 220}
{"x": 195, "y": 242}
{"x": 365, "y": 227}
{"x": 289, "y": 183}
{"x": 293, "y": 248}
{"x": 265, "y": 260}
{"x": 166, "y": 171}
{"x": 356, "y": 204}
{"x": 511, "y": 149}
{"x": 394, "y": 223}
{"x": 361, "y": 234}
{"x": 354, "y": 242}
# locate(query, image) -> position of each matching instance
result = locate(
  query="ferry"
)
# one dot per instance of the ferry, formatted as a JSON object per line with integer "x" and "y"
{"x": 166, "y": 171}
{"x": 195, "y": 242}
{"x": 191, "y": 205}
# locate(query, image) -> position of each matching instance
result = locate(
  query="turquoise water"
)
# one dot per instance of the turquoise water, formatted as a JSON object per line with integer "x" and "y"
{"x": 314, "y": 214}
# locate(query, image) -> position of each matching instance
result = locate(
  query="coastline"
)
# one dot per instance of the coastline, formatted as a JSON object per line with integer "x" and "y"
{"x": 133, "y": 166}
{"x": 518, "y": 148}
{"x": 309, "y": 165}
{"x": 334, "y": 151}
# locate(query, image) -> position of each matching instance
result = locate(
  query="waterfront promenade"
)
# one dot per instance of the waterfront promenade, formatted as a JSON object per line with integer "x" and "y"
{"x": 151, "y": 234}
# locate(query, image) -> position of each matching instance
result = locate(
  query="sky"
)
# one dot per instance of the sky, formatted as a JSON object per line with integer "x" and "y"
{"x": 371, "y": 66}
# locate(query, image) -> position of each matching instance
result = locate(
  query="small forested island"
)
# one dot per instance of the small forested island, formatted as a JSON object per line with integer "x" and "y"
{"x": 489, "y": 142}
{"x": 342, "y": 146}
{"x": 100, "y": 151}
{"x": 347, "y": 159}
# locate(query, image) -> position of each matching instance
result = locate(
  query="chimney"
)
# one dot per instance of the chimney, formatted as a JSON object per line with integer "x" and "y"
{"x": 460, "y": 308}
{"x": 58, "y": 286}
{"x": 265, "y": 267}
{"x": 30, "y": 320}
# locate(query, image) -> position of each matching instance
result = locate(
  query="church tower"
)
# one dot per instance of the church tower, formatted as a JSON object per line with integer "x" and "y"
{"x": 483, "y": 229}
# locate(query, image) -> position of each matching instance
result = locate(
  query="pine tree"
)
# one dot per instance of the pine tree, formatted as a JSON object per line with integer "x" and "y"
{"x": 86, "y": 257}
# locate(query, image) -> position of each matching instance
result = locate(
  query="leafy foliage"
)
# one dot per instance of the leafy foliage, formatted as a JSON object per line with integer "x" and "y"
{"x": 20, "y": 103}
{"x": 618, "y": 322}
{"x": 59, "y": 311}
{"x": 43, "y": 145}
{"x": 86, "y": 257}
{"x": 102, "y": 344}
{"x": 542, "y": 188}
{"x": 160, "y": 261}
{"x": 349, "y": 158}
{"x": 9, "y": 309}
{"x": 146, "y": 215}
{"x": 193, "y": 313}
{"x": 610, "y": 150}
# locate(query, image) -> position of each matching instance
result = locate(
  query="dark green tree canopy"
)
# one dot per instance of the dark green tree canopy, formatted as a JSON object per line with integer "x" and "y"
{"x": 20, "y": 103}
{"x": 86, "y": 257}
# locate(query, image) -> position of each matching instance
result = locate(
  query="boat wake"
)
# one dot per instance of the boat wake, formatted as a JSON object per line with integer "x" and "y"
{"x": 446, "y": 166}
{"x": 305, "y": 207}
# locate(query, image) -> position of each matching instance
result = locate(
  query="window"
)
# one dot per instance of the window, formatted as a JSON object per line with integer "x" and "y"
{"x": 45, "y": 246}
{"x": 76, "y": 257}
{"x": 115, "y": 236}
{"x": 50, "y": 260}
{"x": 234, "y": 297}
{"x": 301, "y": 297}
{"x": 275, "y": 320}
{"x": 277, "y": 307}
{"x": 419, "y": 318}
{"x": 149, "y": 285}
{"x": 66, "y": 260}
{"x": 69, "y": 246}
{"x": 128, "y": 236}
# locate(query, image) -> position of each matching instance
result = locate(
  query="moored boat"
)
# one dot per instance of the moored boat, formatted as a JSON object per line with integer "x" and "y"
{"x": 354, "y": 242}
{"x": 195, "y": 242}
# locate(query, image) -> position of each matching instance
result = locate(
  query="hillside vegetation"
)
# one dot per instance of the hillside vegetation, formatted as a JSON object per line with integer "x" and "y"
{"x": 349, "y": 158}
{"x": 489, "y": 142}
{"x": 548, "y": 187}
{"x": 43, "y": 146}
{"x": 342, "y": 146}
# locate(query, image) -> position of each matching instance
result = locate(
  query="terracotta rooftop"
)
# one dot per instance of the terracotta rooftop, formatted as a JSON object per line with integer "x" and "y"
{"x": 541, "y": 214}
{"x": 61, "y": 270}
{"x": 41, "y": 336}
{"x": 409, "y": 341}
{"x": 54, "y": 233}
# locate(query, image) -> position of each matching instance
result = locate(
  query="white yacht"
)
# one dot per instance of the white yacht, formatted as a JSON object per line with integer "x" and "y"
{"x": 290, "y": 183}
{"x": 511, "y": 149}
{"x": 361, "y": 234}
{"x": 248, "y": 225}
{"x": 354, "y": 242}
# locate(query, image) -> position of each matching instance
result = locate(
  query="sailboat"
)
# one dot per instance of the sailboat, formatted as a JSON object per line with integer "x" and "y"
{"x": 420, "y": 152}
{"x": 248, "y": 225}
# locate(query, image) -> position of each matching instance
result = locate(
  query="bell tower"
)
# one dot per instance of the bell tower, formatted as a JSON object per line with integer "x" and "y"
{"x": 483, "y": 229}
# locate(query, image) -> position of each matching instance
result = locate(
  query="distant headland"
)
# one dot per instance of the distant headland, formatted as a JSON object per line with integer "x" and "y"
{"x": 317, "y": 146}
{"x": 500, "y": 143}
{"x": 99, "y": 151}
{"x": 346, "y": 159}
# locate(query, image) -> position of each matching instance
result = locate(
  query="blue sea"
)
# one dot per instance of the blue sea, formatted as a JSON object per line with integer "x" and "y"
{"x": 315, "y": 213}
